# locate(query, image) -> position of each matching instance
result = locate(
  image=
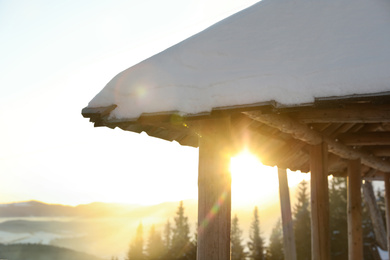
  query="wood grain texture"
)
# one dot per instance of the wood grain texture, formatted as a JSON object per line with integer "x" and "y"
{"x": 320, "y": 231}
{"x": 214, "y": 195}
{"x": 287, "y": 222}
{"x": 355, "y": 233}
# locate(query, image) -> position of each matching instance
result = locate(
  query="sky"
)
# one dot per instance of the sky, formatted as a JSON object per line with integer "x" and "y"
{"x": 55, "y": 57}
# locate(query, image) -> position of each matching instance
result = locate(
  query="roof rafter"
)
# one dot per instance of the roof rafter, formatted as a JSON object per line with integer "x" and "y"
{"x": 344, "y": 114}
{"x": 310, "y": 136}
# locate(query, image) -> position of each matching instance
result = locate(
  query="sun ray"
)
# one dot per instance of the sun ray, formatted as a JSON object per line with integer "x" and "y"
{"x": 254, "y": 183}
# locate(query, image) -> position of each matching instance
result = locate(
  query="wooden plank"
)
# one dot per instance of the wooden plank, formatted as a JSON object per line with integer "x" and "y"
{"x": 346, "y": 114}
{"x": 97, "y": 112}
{"x": 380, "y": 150}
{"x": 310, "y": 136}
{"x": 320, "y": 232}
{"x": 375, "y": 215}
{"x": 387, "y": 201}
{"x": 369, "y": 138}
{"x": 355, "y": 234}
{"x": 214, "y": 195}
{"x": 285, "y": 207}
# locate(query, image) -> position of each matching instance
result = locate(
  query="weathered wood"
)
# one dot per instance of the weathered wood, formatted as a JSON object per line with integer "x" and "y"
{"x": 310, "y": 136}
{"x": 320, "y": 232}
{"x": 371, "y": 138}
{"x": 376, "y": 218}
{"x": 287, "y": 125}
{"x": 380, "y": 151}
{"x": 387, "y": 201}
{"x": 97, "y": 112}
{"x": 285, "y": 207}
{"x": 347, "y": 114}
{"x": 355, "y": 234}
{"x": 214, "y": 197}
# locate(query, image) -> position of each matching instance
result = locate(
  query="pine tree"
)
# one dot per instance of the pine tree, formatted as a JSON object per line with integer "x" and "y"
{"x": 136, "y": 250}
{"x": 180, "y": 235}
{"x": 302, "y": 228}
{"x": 256, "y": 243}
{"x": 338, "y": 218}
{"x": 380, "y": 200}
{"x": 237, "y": 249}
{"x": 275, "y": 250}
{"x": 155, "y": 247}
{"x": 167, "y": 238}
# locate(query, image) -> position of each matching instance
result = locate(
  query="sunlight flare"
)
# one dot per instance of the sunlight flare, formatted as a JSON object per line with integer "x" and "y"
{"x": 256, "y": 183}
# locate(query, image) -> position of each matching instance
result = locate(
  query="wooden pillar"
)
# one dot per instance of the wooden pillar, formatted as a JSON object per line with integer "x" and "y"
{"x": 355, "y": 233}
{"x": 285, "y": 207}
{"x": 214, "y": 190}
{"x": 375, "y": 214}
{"x": 320, "y": 232}
{"x": 387, "y": 200}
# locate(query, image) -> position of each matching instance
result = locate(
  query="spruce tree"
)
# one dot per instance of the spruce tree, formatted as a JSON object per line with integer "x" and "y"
{"x": 167, "y": 237}
{"x": 380, "y": 200}
{"x": 136, "y": 250}
{"x": 275, "y": 250}
{"x": 180, "y": 235}
{"x": 302, "y": 226}
{"x": 237, "y": 249}
{"x": 256, "y": 243}
{"x": 155, "y": 246}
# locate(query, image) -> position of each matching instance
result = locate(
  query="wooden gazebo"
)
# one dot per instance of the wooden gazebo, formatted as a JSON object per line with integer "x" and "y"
{"x": 304, "y": 84}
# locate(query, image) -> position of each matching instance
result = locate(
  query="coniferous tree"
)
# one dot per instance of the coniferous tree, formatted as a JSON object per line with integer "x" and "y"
{"x": 237, "y": 249}
{"x": 302, "y": 226}
{"x": 256, "y": 243}
{"x": 180, "y": 235}
{"x": 380, "y": 200}
{"x": 338, "y": 218}
{"x": 155, "y": 247}
{"x": 167, "y": 237}
{"x": 275, "y": 249}
{"x": 136, "y": 250}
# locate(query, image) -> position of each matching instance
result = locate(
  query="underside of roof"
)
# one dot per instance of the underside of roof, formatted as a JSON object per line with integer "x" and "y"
{"x": 354, "y": 127}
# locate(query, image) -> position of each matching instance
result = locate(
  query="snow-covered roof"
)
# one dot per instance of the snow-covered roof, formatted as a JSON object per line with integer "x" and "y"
{"x": 290, "y": 52}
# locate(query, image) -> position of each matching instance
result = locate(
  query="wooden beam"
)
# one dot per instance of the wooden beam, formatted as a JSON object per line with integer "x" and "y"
{"x": 355, "y": 234}
{"x": 320, "y": 232}
{"x": 369, "y": 138}
{"x": 345, "y": 114}
{"x": 387, "y": 201}
{"x": 376, "y": 217}
{"x": 285, "y": 207}
{"x": 383, "y": 151}
{"x": 310, "y": 136}
{"x": 214, "y": 195}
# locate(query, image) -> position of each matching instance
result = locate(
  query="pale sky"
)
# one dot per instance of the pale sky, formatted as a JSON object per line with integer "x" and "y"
{"x": 54, "y": 57}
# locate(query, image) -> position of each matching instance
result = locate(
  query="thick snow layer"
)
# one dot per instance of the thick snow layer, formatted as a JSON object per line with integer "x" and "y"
{"x": 282, "y": 50}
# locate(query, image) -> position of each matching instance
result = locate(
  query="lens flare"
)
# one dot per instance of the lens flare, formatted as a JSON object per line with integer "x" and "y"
{"x": 213, "y": 212}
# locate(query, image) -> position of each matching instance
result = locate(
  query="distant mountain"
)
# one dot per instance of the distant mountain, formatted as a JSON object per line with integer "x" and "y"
{"x": 40, "y": 209}
{"x": 41, "y": 252}
{"x": 104, "y": 229}
{"x": 101, "y": 229}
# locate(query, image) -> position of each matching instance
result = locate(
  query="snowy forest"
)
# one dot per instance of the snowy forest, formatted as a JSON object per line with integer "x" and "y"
{"x": 175, "y": 242}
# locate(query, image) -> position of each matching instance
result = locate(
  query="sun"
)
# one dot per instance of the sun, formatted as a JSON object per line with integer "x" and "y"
{"x": 254, "y": 183}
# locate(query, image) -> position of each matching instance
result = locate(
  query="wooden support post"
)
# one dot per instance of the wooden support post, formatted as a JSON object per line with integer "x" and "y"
{"x": 320, "y": 232}
{"x": 375, "y": 214}
{"x": 214, "y": 190}
{"x": 355, "y": 233}
{"x": 285, "y": 206}
{"x": 387, "y": 200}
